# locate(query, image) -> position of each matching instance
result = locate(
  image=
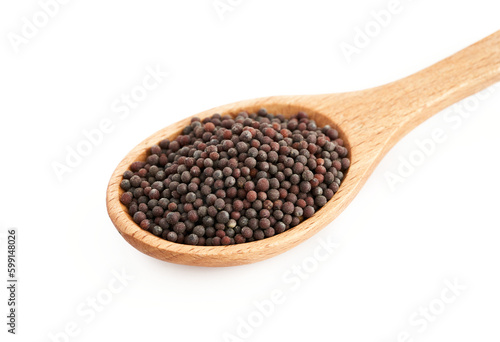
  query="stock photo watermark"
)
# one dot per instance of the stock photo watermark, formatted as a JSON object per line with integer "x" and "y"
{"x": 428, "y": 314}
{"x": 222, "y": 7}
{"x": 89, "y": 309}
{"x": 365, "y": 34}
{"x": 454, "y": 118}
{"x": 32, "y": 25}
{"x": 121, "y": 109}
{"x": 292, "y": 280}
{"x": 12, "y": 285}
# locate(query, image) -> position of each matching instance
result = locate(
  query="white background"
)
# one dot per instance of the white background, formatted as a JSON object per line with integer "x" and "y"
{"x": 397, "y": 246}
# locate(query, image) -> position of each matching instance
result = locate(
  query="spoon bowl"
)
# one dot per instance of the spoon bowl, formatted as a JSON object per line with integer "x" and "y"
{"x": 369, "y": 121}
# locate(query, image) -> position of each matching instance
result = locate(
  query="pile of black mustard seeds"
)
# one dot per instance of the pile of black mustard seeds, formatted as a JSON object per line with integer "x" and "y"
{"x": 231, "y": 180}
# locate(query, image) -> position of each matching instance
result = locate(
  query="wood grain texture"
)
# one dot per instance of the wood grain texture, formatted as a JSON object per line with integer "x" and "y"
{"x": 370, "y": 122}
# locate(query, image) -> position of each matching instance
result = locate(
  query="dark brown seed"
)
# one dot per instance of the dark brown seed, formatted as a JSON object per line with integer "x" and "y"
{"x": 180, "y": 227}
{"x": 192, "y": 239}
{"x": 239, "y": 239}
{"x": 288, "y": 207}
{"x": 145, "y": 224}
{"x": 191, "y": 197}
{"x": 320, "y": 201}
{"x": 246, "y": 232}
{"x": 139, "y": 216}
{"x": 219, "y": 203}
{"x": 173, "y": 218}
{"x": 279, "y": 227}
{"x": 251, "y": 196}
{"x": 308, "y": 211}
{"x": 345, "y": 163}
{"x": 125, "y": 184}
{"x": 258, "y": 234}
{"x": 192, "y": 216}
{"x": 223, "y": 217}
{"x": 172, "y": 236}
{"x": 157, "y": 211}
{"x": 264, "y": 223}
{"x": 246, "y": 136}
{"x": 262, "y": 184}
{"x": 135, "y": 181}
{"x": 209, "y": 127}
{"x": 269, "y": 232}
{"x": 307, "y": 175}
{"x": 298, "y": 212}
{"x": 126, "y": 198}
{"x": 157, "y": 230}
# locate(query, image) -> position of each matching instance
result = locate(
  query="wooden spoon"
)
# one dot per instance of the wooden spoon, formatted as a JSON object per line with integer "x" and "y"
{"x": 370, "y": 122}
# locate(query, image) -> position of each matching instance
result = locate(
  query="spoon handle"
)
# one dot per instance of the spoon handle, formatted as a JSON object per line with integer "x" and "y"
{"x": 423, "y": 94}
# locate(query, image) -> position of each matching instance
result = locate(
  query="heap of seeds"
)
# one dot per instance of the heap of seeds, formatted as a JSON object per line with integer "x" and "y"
{"x": 231, "y": 180}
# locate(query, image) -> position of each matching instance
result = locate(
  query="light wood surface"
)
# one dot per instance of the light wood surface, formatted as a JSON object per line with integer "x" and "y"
{"x": 370, "y": 122}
